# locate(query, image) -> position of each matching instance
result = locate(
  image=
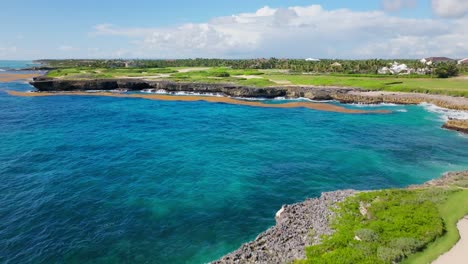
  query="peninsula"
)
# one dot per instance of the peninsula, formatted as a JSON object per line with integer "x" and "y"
{"x": 196, "y": 78}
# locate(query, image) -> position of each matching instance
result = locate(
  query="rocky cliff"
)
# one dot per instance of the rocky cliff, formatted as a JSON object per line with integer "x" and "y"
{"x": 297, "y": 226}
{"x": 316, "y": 93}
{"x": 341, "y": 94}
{"x": 301, "y": 224}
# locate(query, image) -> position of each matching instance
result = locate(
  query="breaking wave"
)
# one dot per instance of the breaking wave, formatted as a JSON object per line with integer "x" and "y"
{"x": 445, "y": 113}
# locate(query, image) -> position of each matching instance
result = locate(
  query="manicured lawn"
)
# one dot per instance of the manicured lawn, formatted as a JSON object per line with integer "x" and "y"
{"x": 452, "y": 210}
{"x": 455, "y": 87}
{"x": 85, "y": 73}
{"x": 421, "y": 84}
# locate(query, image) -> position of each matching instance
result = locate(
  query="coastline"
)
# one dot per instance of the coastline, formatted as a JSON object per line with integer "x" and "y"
{"x": 319, "y": 93}
{"x": 347, "y": 95}
{"x": 302, "y": 224}
{"x": 212, "y": 99}
{"x": 286, "y": 241}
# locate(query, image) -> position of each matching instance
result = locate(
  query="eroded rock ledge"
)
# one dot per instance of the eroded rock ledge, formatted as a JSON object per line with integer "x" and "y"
{"x": 297, "y": 226}
{"x": 457, "y": 125}
{"x": 300, "y": 225}
{"x": 341, "y": 94}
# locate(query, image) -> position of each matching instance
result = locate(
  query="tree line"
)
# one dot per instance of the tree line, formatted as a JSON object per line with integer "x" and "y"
{"x": 294, "y": 65}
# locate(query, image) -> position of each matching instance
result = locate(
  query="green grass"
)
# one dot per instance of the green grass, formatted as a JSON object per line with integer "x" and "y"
{"x": 398, "y": 223}
{"x": 411, "y": 83}
{"x": 83, "y": 73}
{"x": 256, "y": 82}
{"x": 452, "y": 210}
{"x": 454, "y": 87}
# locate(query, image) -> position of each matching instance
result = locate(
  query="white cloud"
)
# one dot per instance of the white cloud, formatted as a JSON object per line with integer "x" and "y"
{"x": 298, "y": 32}
{"x": 396, "y": 5}
{"x": 450, "y": 8}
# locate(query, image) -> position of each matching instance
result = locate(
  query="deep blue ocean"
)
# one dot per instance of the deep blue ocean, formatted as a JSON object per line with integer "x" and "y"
{"x": 122, "y": 180}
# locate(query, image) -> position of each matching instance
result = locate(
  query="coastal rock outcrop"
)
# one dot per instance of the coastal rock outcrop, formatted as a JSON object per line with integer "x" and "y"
{"x": 341, "y": 94}
{"x": 45, "y": 84}
{"x": 297, "y": 226}
{"x": 301, "y": 224}
{"x": 457, "y": 125}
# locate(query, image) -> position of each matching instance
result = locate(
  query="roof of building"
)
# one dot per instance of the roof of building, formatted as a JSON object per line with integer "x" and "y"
{"x": 438, "y": 59}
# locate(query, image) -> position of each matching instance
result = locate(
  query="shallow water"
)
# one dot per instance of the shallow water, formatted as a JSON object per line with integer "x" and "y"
{"x": 126, "y": 180}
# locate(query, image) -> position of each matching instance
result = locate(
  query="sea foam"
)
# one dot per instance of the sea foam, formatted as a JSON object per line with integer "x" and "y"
{"x": 445, "y": 113}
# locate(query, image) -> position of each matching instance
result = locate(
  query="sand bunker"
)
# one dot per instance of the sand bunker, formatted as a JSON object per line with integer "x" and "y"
{"x": 458, "y": 254}
{"x": 226, "y": 100}
{"x": 10, "y": 77}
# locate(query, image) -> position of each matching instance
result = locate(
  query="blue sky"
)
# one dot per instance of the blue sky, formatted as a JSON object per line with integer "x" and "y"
{"x": 232, "y": 29}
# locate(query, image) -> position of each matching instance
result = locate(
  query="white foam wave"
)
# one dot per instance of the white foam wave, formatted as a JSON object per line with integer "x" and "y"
{"x": 2, "y": 70}
{"x": 445, "y": 113}
{"x": 161, "y": 91}
{"x": 402, "y": 110}
{"x": 373, "y": 105}
{"x": 251, "y": 98}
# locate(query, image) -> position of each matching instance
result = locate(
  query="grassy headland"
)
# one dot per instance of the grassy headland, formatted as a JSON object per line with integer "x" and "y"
{"x": 390, "y": 226}
{"x": 273, "y": 72}
{"x": 265, "y": 78}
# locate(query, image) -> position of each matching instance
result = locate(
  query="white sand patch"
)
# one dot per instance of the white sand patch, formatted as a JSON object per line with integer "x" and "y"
{"x": 193, "y": 69}
{"x": 281, "y": 82}
{"x": 459, "y": 253}
{"x": 249, "y": 76}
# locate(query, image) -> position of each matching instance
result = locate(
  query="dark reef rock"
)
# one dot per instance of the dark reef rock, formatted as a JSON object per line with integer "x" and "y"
{"x": 297, "y": 226}
{"x": 301, "y": 224}
{"x": 45, "y": 84}
{"x": 340, "y": 94}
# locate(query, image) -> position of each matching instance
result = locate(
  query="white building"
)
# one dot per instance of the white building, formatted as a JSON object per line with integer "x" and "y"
{"x": 463, "y": 61}
{"x": 400, "y": 69}
{"x": 312, "y": 59}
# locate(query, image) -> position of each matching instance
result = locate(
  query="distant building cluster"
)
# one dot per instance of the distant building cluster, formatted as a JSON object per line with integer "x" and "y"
{"x": 401, "y": 69}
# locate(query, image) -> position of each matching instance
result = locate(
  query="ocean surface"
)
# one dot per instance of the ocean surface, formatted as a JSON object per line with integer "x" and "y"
{"x": 122, "y": 180}
{"x": 9, "y": 65}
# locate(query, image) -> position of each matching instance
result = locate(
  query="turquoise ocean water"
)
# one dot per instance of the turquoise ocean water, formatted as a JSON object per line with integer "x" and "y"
{"x": 113, "y": 180}
{"x": 15, "y": 65}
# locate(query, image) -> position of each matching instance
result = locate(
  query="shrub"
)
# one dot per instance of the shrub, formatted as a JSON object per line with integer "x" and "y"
{"x": 406, "y": 245}
{"x": 389, "y": 255}
{"x": 220, "y": 74}
{"x": 445, "y": 70}
{"x": 402, "y": 222}
{"x": 367, "y": 235}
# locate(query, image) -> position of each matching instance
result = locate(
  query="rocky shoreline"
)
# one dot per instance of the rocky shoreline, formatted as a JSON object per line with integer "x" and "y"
{"x": 300, "y": 225}
{"x": 457, "y": 125}
{"x": 340, "y": 94}
{"x": 297, "y": 226}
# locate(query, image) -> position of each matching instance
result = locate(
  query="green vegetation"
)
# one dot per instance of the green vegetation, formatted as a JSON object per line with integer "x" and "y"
{"x": 87, "y": 72}
{"x": 452, "y": 210}
{"x": 451, "y": 86}
{"x": 294, "y": 65}
{"x": 259, "y": 74}
{"x": 391, "y": 225}
{"x": 445, "y": 70}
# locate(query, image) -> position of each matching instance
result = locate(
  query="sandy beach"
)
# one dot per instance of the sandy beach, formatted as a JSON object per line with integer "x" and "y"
{"x": 227, "y": 100}
{"x": 458, "y": 254}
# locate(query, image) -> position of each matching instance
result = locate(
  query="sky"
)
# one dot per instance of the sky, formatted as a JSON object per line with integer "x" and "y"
{"x": 154, "y": 29}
